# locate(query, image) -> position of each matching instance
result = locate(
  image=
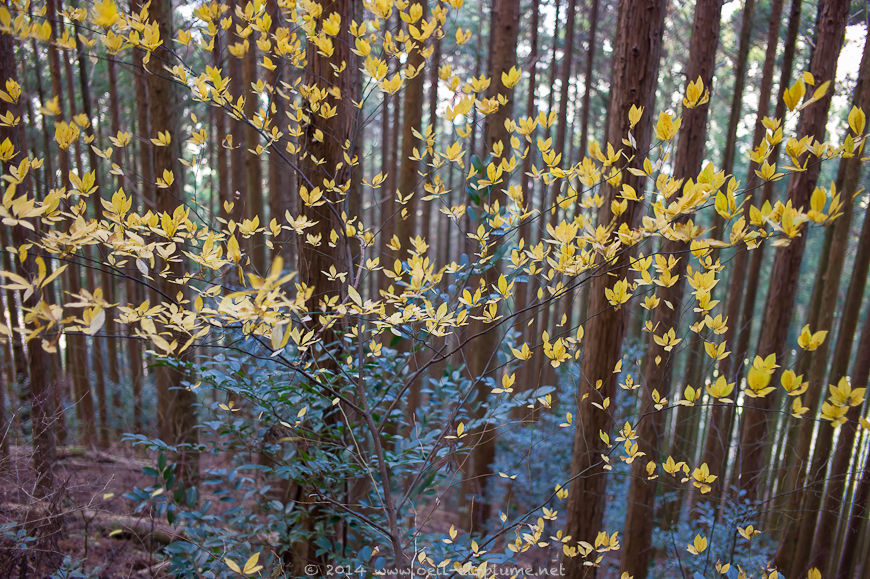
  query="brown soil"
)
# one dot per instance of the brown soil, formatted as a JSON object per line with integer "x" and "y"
{"x": 98, "y": 524}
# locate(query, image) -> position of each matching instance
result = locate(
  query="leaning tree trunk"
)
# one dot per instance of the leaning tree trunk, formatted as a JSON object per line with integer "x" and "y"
{"x": 753, "y": 275}
{"x": 658, "y": 366}
{"x": 719, "y": 431}
{"x": 817, "y": 454}
{"x": 786, "y": 266}
{"x": 821, "y": 552}
{"x": 636, "y": 54}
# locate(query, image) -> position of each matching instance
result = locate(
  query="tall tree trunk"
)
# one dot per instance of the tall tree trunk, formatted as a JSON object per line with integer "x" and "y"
{"x": 236, "y": 70}
{"x": 747, "y": 317}
{"x": 739, "y": 76}
{"x": 253, "y": 166}
{"x": 848, "y": 183}
{"x": 116, "y": 350}
{"x": 637, "y": 48}
{"x": 426, "y": 224}
{"x": 591, "y": 46}
{"x": 719, "y": 433}
{"x": 658, "y": 365}
{"x": 76, "y": 345}
{"x": 282, "y": 189}
{"x": 412, "y": 119}
{"x": 101, "y": 348}
{"x": 220, "y": 127}
{"x": 391, "y": 210}
{"x": 321, "y": 161}
{"x": 786, "y": 266}
{"x": 564, "y": 84}
{"x": 740, "y": 82}
{"x": 177, "y": 404}
{"x": 46, "y": 526}
{"x": 482, "y": 349}
{"x": 525, "y": 293}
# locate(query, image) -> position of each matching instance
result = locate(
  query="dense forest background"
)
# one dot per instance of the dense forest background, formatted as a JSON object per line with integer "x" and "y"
{"x": 437, "y": 287}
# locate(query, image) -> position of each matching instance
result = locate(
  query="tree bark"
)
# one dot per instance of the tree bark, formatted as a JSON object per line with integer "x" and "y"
{"x": 746, "y": 320}
{"x": 481, "y": 352}
{"x": 848, "y": 183}
{"x": 786, "y": 266}
{"x": 637, "y": 48}
{"x": 658, "y": 366}
{"x": 321, "y": 164}
{"x": 253, "y": 166}
{"x": 412, "y": 120}
{"x": 45, "y": 528}
{"x": 719, "y": 433}
{"x": 591, "y": 46}
{"x": 177, "y": 404}
{"x": 525, "y": 293}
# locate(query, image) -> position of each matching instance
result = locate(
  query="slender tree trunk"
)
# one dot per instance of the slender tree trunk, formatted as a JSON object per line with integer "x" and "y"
{"x": 801, "y": 536}
{"x": 77, "y": 365}
{"x": 554, "y": 60}
{"x": 434, "y": 64}
{"x": 719, "y": 433}
{"x": 747, "y": 317}
{"x": 658, "y": 367}
{"x": 482, "y": 350}
{"x": 330, "y": 151}
{"x": 253, "y": 166}
{"x": 637, "y": 48}
{"x": 238, "y": 174}
{"x": 132, "y": 289}
{"x": 739, "y": 76}
{"x": 591, "y": 46}
{"x": 391, "y": 210}
{"x": 177, "y": 413}
{"x": 101, "y": 348}
{"x": 564, "y": 84}
{"x": 412, "y": 120}
{"x": 525, "y": 293}
{"x": 46, "y": 526}
{"x": 786, "y": 267}
{"x": 740, "y": 82}
{"x": 116, "y": 348}
{"x": 220, "y": 127}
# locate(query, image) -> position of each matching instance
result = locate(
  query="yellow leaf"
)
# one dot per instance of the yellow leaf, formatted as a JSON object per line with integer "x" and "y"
{"x": 856, "y": 120}
{"x": 634, "y": 115}
{"x": 105, "y": 13}
{"x": 354, "y": 295}
{"x": 233, "y": 251}
{"x": 809, "y": 340}
{"x": 232, "y": 565}
{"x": 163, "y": 139}
{"x": 698, "y": 546}
{"x": 511, "y": 77}
{"x": 251, "y": 565}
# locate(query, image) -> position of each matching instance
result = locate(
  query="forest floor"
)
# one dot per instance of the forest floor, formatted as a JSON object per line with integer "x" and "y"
{"x": 100, "y": 529}
{"x": 102, "y": 535}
